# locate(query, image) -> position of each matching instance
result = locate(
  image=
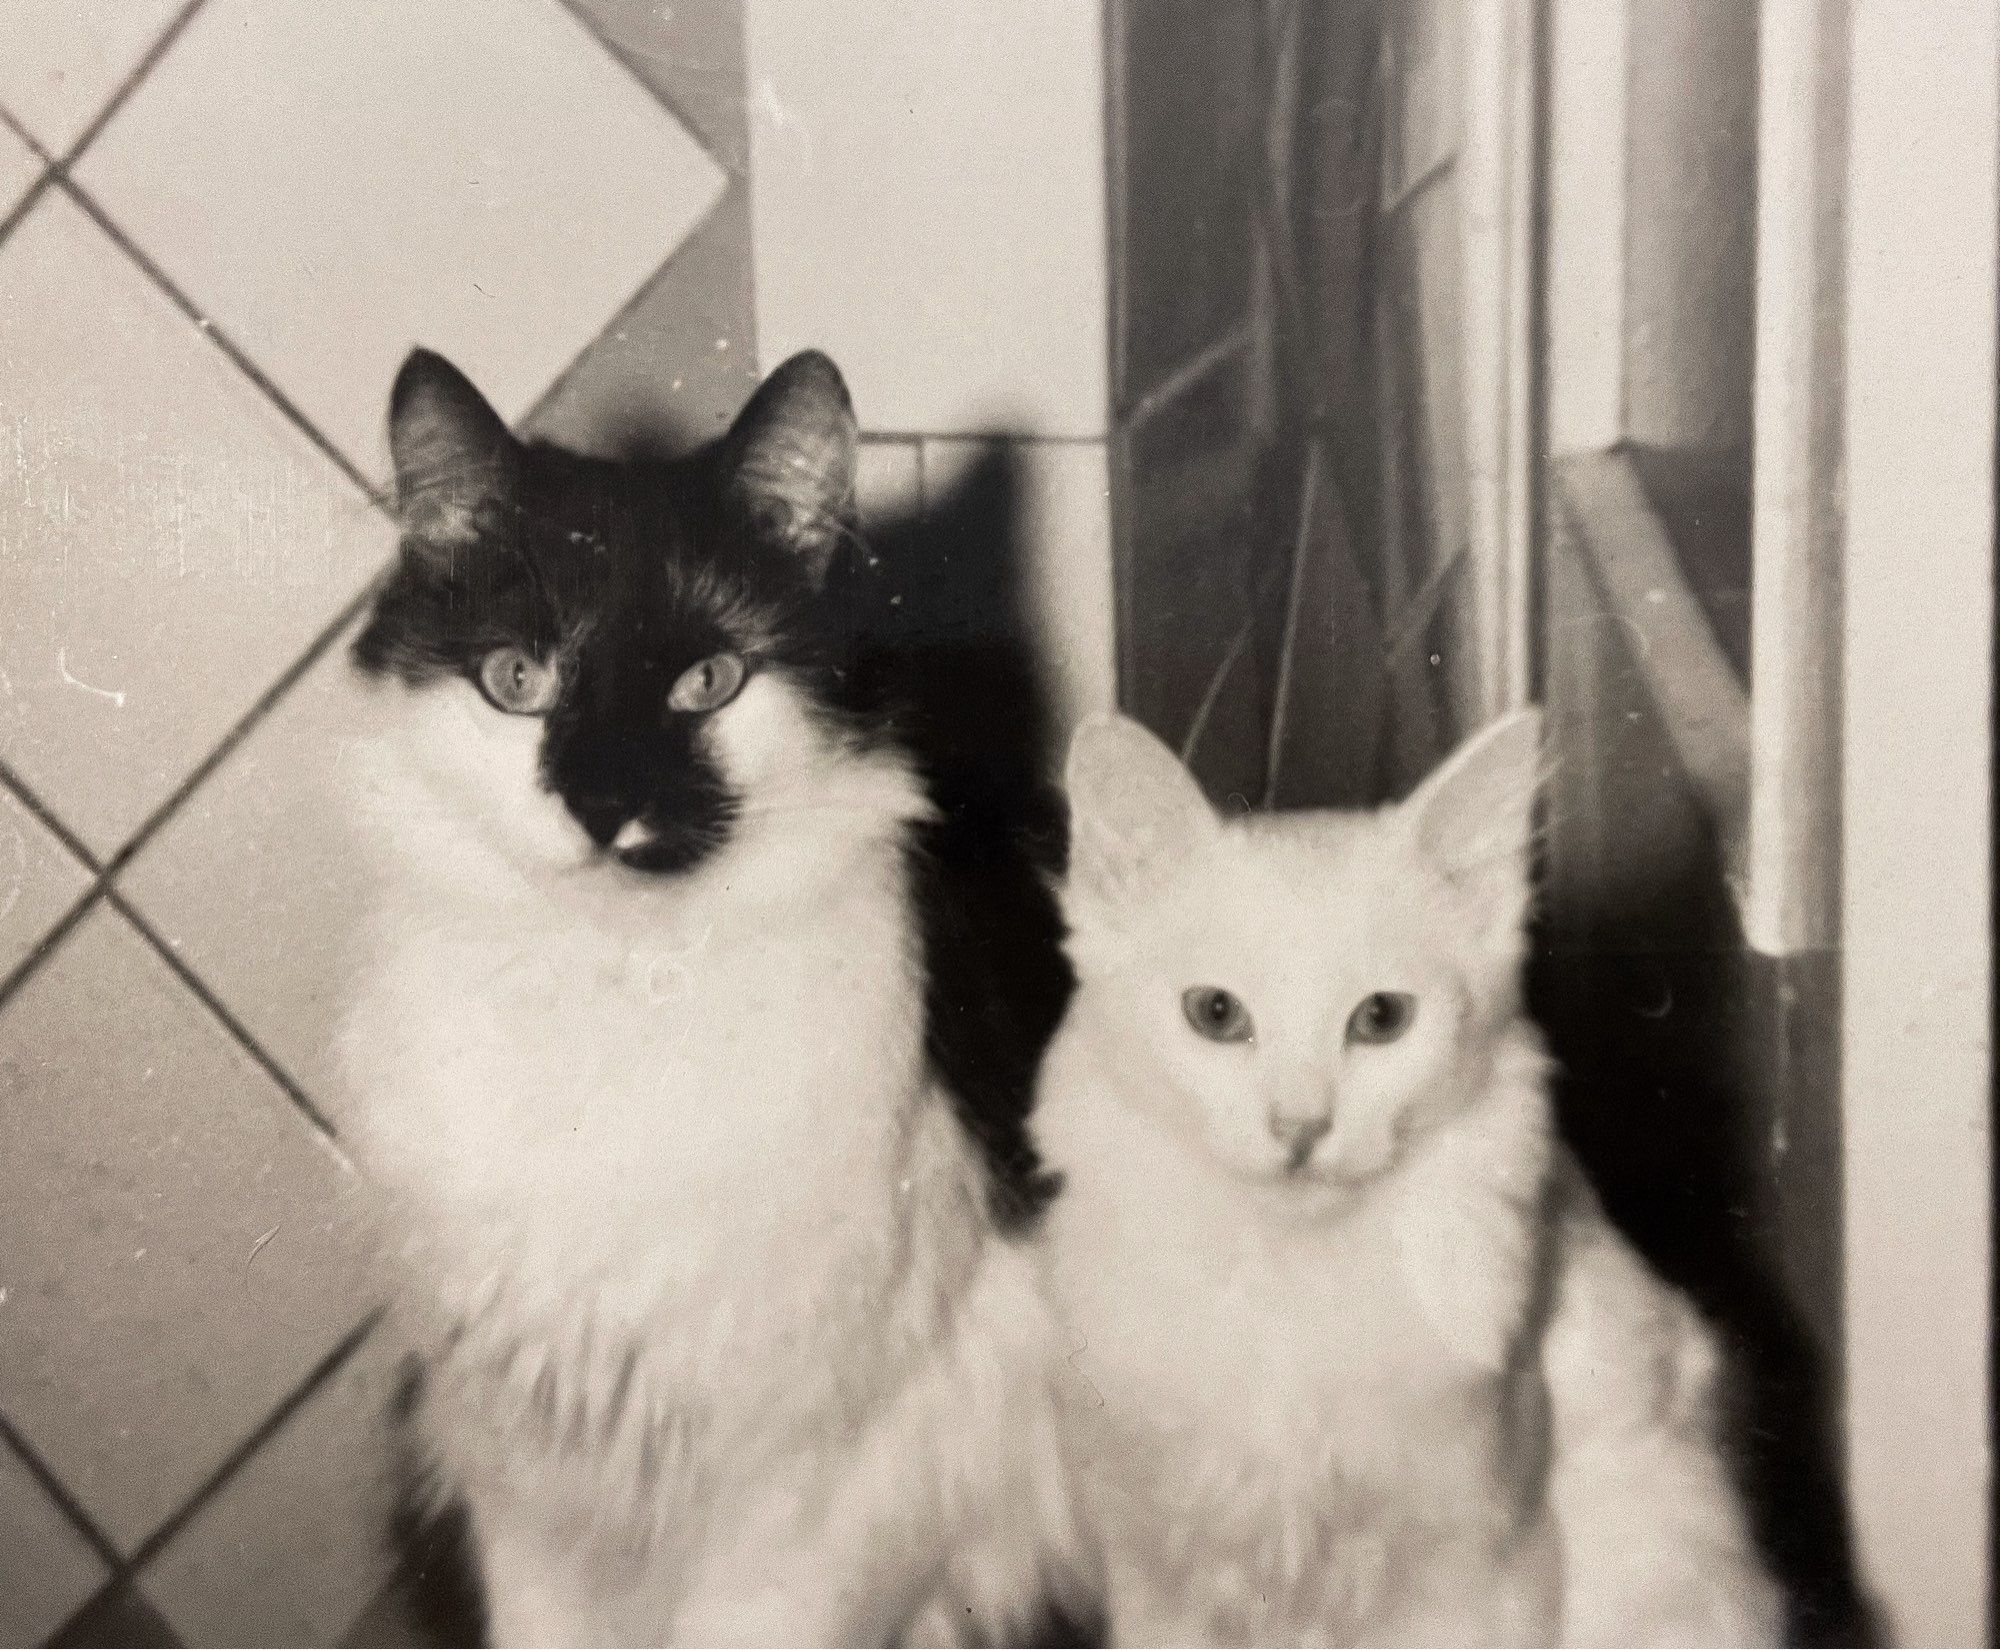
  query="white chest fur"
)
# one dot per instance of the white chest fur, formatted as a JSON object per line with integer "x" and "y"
{"x": 700, "y": 1252}
{"x": 1307, "y": 1419}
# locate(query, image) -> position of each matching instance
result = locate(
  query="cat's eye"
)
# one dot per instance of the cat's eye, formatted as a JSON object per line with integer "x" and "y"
{"x": 518, "y": 682}
{"x": 1217, "y": 1014}
{"x": 1381, "y": 1017}
{"x": 709, "y": 685}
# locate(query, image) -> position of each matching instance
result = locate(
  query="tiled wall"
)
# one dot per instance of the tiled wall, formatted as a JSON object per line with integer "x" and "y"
{"x": 222, "y": 223}
{"x": 930, "y": 208}
{"x": 221, "y": 226}
{"x": 1087, "y": 247}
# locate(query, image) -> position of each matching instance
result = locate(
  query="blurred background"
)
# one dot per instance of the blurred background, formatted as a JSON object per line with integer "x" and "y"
{"x": 1356, "y": 369}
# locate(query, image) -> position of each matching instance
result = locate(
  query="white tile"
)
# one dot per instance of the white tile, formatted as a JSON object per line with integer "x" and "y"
{"x": 40, "y": 879}
{"x": 169, "y": 542}
{"x": 332, "y": 184}
{"x": 262, "y": 853}
{"x": 295, "y": 1546}
{"x": 1065, "y": 535}
{"x": 19, "y": 167}
{"x": 65, "y": 58}
{"x": 929, "y": 206}
{"x": 47, "y": 1569}
{"x": 178, "y": 1246}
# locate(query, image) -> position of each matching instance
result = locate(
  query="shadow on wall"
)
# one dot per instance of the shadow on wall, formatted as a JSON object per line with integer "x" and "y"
{"x": 1660, "y": 1022}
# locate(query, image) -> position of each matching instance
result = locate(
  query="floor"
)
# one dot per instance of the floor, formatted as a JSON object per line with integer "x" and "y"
{"x": 222, "y": 223}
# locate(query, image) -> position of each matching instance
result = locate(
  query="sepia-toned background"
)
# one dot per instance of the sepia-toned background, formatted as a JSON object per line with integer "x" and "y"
{"x": 1354, "y": 369}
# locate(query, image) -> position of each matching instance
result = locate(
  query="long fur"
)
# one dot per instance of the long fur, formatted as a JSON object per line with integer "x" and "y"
{"x": 720, "y": 1339}
{"x": 721, "y": 1344}
{"x": 1416, "y": 1391}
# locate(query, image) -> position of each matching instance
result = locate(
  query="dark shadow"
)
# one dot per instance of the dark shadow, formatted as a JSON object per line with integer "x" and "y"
{"x": 1703, "y": 500}
{"x": 942, "y": 637}
{"x": 1663, "y": 1025}
{"x": 437, "y": 1570}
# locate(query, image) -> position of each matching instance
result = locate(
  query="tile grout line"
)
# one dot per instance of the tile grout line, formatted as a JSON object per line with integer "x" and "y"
{"x": 993, "y": 438}
{"x": 260, "y": 1435}
{"x": 26, "y": 136}
{"x": 60, "y": 179}
{"x": 103, "y": 887}
{"x": 46, "y": 946}
{"x": 200, "y": 990}
{"x": 148, "y": 61}
{"x": 116, "y": 1591}
{"x": 245, "y": 725}
{"x": 47, "y": 817}
{"x": 55, "y": 176}
{"x": 67, "y": 1504}
{"x": 55, "y": 168}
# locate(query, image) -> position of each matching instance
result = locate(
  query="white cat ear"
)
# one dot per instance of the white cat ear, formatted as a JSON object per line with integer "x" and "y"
{"x": 1473, "y": 819}
{"x": 1134, "y": 810}
{"x": 793, "y": 452}
{"x": 454, "y": 456}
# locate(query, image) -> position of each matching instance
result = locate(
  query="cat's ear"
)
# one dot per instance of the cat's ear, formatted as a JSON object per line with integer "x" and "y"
{"x": 1134, "y": 811}
{"x": 791, "y": 454}
{"x": 1473, "y": 819}
{"x": 454, "y": 457}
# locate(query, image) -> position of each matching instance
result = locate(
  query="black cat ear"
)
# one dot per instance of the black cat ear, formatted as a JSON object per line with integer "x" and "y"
{"x": 792, "y": 456}
{"x": 454, "y": 455}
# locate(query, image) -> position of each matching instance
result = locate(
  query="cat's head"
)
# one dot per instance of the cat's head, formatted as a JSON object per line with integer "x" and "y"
{"x": 613, "y": 663}
{"x": 1299, "y": 995}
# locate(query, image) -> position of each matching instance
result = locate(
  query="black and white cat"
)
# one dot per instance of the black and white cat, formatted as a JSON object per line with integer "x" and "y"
{"x": 722, "y": 1339}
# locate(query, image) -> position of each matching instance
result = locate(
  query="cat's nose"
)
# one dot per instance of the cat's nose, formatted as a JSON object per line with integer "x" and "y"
{"x": 1298, "y": 1132}
{"x": 602, "y": 817}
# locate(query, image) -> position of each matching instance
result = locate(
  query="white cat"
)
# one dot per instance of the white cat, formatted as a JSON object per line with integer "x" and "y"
{"x": 1366, "y": 1363}
{"x": 720, "y": 1341}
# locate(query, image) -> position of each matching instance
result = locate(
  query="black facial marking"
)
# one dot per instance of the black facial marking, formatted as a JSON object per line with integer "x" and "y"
{"x": 625, "y": 575}
{"x": 622, "y": 576}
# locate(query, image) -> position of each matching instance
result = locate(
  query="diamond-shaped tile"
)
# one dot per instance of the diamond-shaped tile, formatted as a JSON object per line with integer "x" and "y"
{"x": 333, "y": 184}
{"x": 65, "y": 58}
{"x": 691, "y": 54}
{"x": 262, "y": 853}
{"x": 168, "y": 540}
{"x": 39, "y": 880}
{"x": 294, "y": 1547}
{"x": 930, "y": 208}
{"x": 179, "y": 1246}
{"x": 47, "y": 1569}
{"x": 19, "y": 167}
{"x": 675, "y": 366}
